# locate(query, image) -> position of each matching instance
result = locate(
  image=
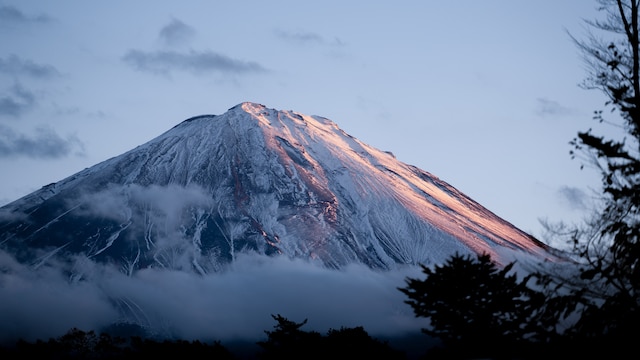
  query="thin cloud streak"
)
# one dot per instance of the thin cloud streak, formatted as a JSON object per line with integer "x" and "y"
{"x": 14, "y": 65}
{"x": 44, "y": 144}
{"x": 302, "y": 38}
{"x": 10, "y": 14}
{"x": 164, "y": 62}
{"x": 546, "y": 107}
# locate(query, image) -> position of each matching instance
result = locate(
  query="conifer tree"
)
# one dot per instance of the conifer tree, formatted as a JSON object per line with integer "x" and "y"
{"x": 473, "y": 304}
{"x": 608, "y": 249}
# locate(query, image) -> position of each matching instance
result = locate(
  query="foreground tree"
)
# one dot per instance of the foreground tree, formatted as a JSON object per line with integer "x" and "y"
{"x": 478, "y": 308}
{"x": 608, "y": 248}
{"x": 288, "y": 341}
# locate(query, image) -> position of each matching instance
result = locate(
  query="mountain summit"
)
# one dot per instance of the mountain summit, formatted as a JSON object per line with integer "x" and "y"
{"x": 256, "y": 180}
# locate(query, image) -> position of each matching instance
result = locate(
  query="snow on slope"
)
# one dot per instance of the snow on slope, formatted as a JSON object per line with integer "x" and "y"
{"x": 258, "y": 179}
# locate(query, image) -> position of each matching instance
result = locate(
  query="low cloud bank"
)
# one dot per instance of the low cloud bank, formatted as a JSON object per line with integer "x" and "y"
{"x": 233, "y": 304}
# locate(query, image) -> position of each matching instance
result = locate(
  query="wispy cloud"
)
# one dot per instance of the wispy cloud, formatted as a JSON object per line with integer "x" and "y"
{"x": 176, "y": 33}
{"x": 60, "y": 110}
{"x": 15, "y": 65}
{"x": 164, "y": 62}
{"x": 576, "y": 198}
{"x": 45, "y": 143}
{"x": 18, "y": 101}
{"x": 546, "y": 107}
{"x": 10, "y": 14}
{"x": 304, "y": 37}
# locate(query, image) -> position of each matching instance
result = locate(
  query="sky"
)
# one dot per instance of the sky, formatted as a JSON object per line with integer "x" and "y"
{"x": 483, "y": 94}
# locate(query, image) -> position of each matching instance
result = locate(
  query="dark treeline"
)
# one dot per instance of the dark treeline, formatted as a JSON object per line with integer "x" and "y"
{"x": 286, "y": 341}
{"x": 79, "y": 344}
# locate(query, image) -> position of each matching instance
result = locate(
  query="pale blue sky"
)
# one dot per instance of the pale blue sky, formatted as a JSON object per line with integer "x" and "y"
{"x": 483, "y": 94}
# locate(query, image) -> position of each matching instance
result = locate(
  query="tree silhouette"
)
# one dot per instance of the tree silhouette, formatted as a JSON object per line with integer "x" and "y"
{"x": 608, "y": 248}
{"x": 473, "y": 304}
{"x": 287, "y": 341}
{"x": 352, "y": 343}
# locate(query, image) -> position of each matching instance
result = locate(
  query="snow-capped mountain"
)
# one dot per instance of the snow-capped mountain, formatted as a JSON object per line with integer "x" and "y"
{"x": 257, "y": 180}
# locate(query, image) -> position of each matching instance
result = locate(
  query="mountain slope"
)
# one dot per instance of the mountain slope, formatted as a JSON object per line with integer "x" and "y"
{"x": 254, "y": 180}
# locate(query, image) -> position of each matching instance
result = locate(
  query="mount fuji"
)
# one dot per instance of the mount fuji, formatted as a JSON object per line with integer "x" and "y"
{"x": 170, "y": 222}
{"x": 259, "y": 180}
